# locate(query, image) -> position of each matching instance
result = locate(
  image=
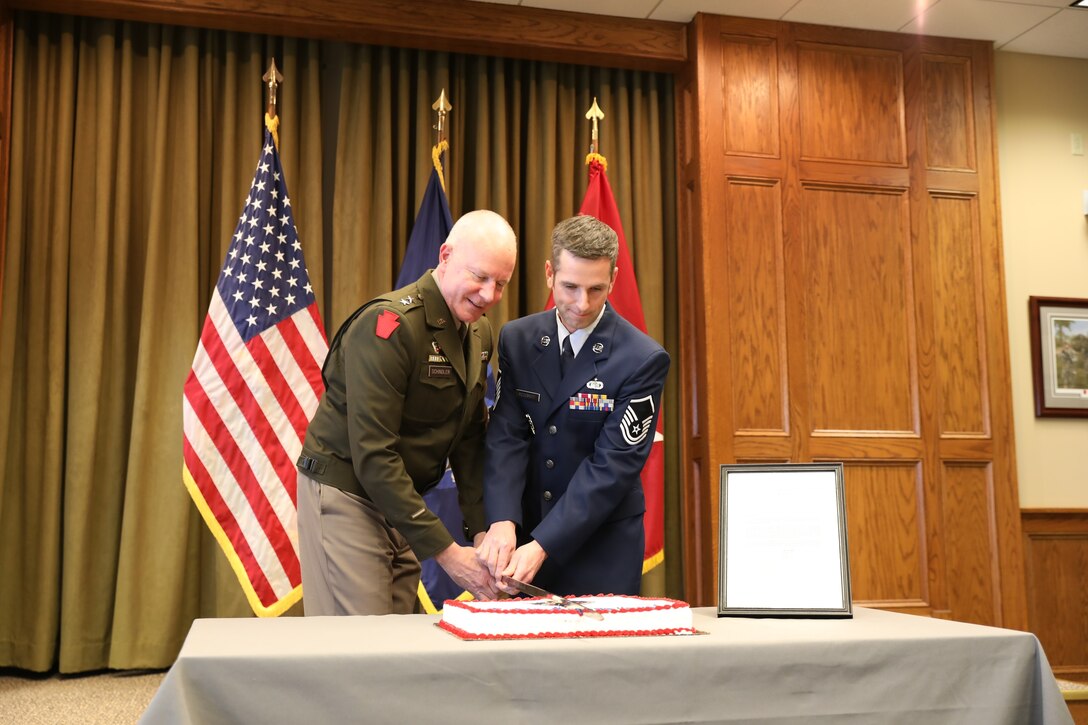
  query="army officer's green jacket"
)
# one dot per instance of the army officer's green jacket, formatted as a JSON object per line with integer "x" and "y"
{"x": 403, "y": 394}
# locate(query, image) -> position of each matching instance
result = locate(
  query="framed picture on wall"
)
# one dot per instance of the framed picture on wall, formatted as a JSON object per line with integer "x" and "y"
{"x": 1059, "y": 356}
{"x": 782, "y": 545}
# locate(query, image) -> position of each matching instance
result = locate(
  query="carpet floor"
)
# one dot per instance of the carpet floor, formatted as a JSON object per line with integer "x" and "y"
{"x": 1073, "y": 690}
{"x": 102, "y": 698}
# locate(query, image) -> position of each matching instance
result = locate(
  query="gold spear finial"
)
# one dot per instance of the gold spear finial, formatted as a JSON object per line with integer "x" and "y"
{"x": 273, "y": 78}
{"x": 594, "y": 114}
{"x": 442, "y": 106}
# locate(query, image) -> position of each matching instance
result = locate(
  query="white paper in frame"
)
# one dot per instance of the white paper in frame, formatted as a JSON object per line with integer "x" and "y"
{"x": 782, "y": 541}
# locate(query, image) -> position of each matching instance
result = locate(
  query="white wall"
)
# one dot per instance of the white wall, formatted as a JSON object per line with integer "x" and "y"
{"x": 1041, "y": 101}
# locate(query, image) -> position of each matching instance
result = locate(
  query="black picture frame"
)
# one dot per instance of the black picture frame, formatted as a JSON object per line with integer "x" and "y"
{"x": 782, "y": 541}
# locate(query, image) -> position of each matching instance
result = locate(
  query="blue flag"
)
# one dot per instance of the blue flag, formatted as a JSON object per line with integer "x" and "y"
{"x": 432, "y": 226}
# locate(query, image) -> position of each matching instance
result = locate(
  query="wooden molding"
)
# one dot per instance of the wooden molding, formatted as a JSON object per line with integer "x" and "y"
{"x": 1035, "y": 519}
{"x": 458, "y": 26}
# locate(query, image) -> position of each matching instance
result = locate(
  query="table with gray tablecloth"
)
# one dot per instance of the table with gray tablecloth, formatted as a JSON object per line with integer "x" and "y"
{"x": 878, "y": 667}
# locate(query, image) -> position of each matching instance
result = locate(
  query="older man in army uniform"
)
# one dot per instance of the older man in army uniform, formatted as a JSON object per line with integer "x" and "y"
{"x": 404, "y": 391}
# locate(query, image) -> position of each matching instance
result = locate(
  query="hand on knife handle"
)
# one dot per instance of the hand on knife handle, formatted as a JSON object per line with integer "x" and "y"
{"x": 535, "y": 591}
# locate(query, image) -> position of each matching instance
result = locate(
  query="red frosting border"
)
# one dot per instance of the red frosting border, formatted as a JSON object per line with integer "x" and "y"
{"x": 658, "y": 604}
{"x": 568, "y": 635}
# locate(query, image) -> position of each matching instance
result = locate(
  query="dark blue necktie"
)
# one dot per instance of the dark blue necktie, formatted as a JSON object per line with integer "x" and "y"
{"x": 566, "y": 357}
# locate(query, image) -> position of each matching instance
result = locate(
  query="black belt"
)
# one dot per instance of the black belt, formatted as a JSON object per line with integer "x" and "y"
{"x": 336, "y": 473}
{"x": 310, "y": 465}
{"x": 341, "y": 475}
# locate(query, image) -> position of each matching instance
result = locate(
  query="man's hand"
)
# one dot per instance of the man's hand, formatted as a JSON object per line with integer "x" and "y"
{"x": 525, "y": 562}
{"x": 461, "y": 564}
{"x": 497, "y": 547}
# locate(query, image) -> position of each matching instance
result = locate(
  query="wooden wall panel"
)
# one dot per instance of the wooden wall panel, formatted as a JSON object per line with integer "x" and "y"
{"x": 962, "y": 378}
{"x": 858, "y": 303}
{"x": 750, "y": 95}
{"x": 851, "y": 104}
{"x": 884, "y": 528}
{"x": 896, "y": 352}
{"x": 970, "y": 543}
{"x": 1056, "y": 559}
{"x": 755, "y": 287}
{"x": 684, "y": 125}
{"x": 949, "y": 122}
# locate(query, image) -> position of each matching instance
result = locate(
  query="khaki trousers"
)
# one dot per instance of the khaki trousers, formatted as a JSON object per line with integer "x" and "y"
{"x": 353, "y": 561}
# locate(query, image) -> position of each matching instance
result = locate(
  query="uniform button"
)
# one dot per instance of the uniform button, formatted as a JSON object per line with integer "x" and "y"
{"x": 547, "y": 495}
{"x": 549, "y": 463}
{"x": 552, "y": 429}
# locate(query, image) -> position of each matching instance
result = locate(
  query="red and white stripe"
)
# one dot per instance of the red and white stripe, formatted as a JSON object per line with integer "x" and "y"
{"x": 246, "y": 408}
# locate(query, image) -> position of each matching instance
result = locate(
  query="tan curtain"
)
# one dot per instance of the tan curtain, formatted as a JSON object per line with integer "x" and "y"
{"x": 518, "y": 140}
{"x": 132, "y": 148}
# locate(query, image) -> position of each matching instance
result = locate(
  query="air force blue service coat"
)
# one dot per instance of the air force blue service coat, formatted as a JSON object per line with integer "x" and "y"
{"x": 564, "y": 454}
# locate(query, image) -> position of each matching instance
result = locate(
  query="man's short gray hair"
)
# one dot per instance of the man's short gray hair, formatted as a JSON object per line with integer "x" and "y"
{"x": 586, "y": 237}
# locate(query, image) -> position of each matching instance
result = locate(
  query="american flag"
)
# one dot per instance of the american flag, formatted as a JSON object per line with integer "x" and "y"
{"x": 254, "y": 385}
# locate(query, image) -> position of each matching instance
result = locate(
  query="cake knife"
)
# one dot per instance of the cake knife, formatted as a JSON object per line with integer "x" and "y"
{"x": 535, "y": 591}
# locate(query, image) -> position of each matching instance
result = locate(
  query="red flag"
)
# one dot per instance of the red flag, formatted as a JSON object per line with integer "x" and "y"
{"x": 254, "y": 385}
{"x": 600, "y": 203}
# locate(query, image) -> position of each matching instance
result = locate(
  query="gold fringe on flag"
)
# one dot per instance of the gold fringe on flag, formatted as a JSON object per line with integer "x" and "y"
{"x": 436, "y": 156}
{"x": 593, "y": 156}
{"x": 272, "y": 123}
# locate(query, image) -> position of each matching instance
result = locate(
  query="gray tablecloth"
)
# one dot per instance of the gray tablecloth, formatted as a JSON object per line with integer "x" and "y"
{"x": 879, "y": 667}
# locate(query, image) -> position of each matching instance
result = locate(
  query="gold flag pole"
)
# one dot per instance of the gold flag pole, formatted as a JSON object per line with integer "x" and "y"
{"x": 442, "y": 107}
{"x": 271, "y": 121}
{"x": 595, "y": 114}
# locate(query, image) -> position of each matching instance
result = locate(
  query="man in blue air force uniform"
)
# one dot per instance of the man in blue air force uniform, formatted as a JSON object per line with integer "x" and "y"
{"x": 579, "y": 393}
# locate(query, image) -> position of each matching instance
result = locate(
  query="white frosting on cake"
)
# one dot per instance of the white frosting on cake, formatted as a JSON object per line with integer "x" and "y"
{"x": 537, "y": 617}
